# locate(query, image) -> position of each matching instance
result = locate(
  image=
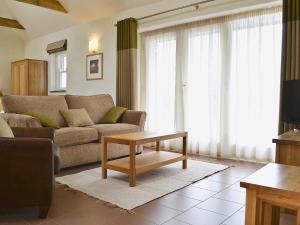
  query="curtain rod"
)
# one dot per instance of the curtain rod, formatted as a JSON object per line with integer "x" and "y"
{"x": 175, "y": 9}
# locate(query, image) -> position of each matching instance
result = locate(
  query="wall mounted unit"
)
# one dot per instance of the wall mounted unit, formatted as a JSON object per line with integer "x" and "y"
{"x": 58, "y": 46}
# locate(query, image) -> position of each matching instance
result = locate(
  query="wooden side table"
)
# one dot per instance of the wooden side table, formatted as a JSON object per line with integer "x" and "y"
{"x": 133, "y": 164}
{"x": 267, "y": 190}
{"x": 288, "y": 148}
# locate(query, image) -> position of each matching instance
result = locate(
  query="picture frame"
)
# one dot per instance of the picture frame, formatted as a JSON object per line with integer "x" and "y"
{"x": 94, "y": 66}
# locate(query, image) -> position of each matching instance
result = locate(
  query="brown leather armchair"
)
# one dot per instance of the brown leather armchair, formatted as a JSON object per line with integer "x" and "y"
{"x": 27, "y": 169}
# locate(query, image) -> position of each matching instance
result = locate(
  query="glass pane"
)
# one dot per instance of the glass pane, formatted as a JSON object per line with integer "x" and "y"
{"x": 64, "y": 61}
{"x": 63, "y": 80}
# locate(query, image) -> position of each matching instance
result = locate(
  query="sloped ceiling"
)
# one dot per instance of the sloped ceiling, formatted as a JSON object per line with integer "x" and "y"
{"x": 40, "y": 21}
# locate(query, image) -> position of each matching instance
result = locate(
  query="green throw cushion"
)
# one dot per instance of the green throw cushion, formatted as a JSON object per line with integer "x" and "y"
{"x": 113, "y": 115}
{"x": 44, "y": 120}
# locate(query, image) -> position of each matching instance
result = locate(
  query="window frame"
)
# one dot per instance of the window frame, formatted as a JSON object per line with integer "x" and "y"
{"x": 56, "y": 81}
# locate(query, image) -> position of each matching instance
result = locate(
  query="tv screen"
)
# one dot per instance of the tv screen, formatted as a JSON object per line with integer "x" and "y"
{"x": 291, "y": 101}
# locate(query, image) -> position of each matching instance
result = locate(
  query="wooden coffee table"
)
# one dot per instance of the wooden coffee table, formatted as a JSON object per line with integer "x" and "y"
{"x": 135, "y": 164}
{"x": 273, "y": 187}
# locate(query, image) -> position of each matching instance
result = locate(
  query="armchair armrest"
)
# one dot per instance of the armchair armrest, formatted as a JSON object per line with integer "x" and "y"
{"x": 26, "y": 171}
{"x": 34, "y": 132}
{"x": 134, "y": 117}
{"x": 40, "y": 133}
{"x": 19, "y": 120}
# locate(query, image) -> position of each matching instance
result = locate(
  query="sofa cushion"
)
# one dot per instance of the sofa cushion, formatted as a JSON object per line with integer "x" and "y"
{"x": 113, "y": 115}
{"x": 19, "y": 120}
{"x": 77, "y": 118}
{"x": 69, "y": 136}
{"x": 96, "y": 105}
{"x": 45, "y": 105}
{"x": 44, "y": 120}
{"x": 116, "y": 128}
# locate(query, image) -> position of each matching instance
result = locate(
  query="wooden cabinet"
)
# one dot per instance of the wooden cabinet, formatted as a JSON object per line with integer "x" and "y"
{"x": 29, "y": 77}
{"x": 288, "y": 148}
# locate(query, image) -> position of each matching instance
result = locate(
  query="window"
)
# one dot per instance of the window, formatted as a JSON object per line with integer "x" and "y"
{"x": 218, "y": 79}
{"x": 59, "y": 71}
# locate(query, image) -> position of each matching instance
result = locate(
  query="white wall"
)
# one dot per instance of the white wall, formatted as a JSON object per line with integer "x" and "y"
{"x": 11, "y": 49}
{"x": 78, "y": 37}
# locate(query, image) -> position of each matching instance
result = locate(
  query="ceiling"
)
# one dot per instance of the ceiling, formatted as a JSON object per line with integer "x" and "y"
{"x": 40, "y": 21}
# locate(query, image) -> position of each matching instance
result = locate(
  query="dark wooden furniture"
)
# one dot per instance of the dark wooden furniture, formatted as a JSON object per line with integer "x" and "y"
{"x": 133, "y": 164}
{"x": 26, "y": 169}
{"x": 273, "y": 187}
{"x": 288, "y": 148}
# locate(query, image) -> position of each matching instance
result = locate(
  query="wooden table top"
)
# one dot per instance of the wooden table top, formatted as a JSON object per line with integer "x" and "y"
{"x": 274, "y": 177}
{"x": 290, "y": 137}
{"x": 147, "y": 135}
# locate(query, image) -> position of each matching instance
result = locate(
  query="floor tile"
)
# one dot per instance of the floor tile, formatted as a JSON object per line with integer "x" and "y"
{"x": 210, "y": 185}
{"x": 175, "y": 222}
{"x": 196, "y": 216}
{"x": 156, "y": 213}
{"x": 233, "y": 196}
{"x": 286, "y": 219}
{"x": 239, "y": 172}
{"x": 45, "y": 222}
{"x": 221, "y": 178}
{"x": 196, "y": 193}
{"x": 130, "y": 219}
{"x": 12, "y": 221}
{"x": 236, "y": 219}
{"x": 91, "y": 216}
{"x": 178, "y": 202}
{"x": 13, "y": 217}
{"x": 220, "y": 206}
{"x": 237, "y": 187}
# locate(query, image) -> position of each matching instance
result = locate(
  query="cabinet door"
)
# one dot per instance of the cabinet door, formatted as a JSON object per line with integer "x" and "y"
{"x": 38, "y": 79}
{"x": 15, "y": 79}
{"x": 19, "y": 78}
{"x": 23, "y": 73}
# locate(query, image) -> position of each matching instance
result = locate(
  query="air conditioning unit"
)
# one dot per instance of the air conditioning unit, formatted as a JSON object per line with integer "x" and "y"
{"x": 58, "y": 46}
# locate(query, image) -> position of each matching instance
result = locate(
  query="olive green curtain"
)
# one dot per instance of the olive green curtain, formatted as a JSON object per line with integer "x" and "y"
{"x": 290, "y": 69}
{"x": 126, "y": 62}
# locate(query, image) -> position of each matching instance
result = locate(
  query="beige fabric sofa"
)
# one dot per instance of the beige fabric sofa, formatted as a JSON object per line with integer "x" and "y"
{"x": 77, "y": 145}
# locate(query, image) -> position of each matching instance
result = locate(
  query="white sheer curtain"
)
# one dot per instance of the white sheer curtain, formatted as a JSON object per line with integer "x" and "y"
{"x": 218, "y": 79}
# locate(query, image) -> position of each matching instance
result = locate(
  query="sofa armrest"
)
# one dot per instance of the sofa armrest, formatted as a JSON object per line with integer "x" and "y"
{"x": 19, "y": 120}
{"x": 134, "y": 117}
{"x": 26, "y": 171}
{"x": 34, "y": 132}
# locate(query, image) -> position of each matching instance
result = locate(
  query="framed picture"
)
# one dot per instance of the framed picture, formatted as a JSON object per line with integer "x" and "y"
{"x": 94, "y": 66}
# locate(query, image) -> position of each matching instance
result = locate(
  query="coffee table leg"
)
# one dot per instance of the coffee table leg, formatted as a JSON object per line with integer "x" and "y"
{"x": 298, "y": 217}
{"x": 184, "y": 152}
{"x": 271, "y": 214}
{"x": 132, "y": 165}
{"x": 251, "y": 205}
{"x": 157, "y": 145}
{"x": 104, "y": 158}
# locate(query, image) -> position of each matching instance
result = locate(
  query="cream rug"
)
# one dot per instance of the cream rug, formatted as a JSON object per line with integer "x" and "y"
{"x": 151, "y": 185}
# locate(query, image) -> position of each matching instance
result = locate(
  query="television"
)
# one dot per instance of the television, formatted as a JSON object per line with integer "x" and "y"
{"x": 291, "y": 102}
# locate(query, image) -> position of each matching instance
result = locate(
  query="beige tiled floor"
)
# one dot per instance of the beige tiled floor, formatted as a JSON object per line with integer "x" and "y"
{"x": 213, "y": 201}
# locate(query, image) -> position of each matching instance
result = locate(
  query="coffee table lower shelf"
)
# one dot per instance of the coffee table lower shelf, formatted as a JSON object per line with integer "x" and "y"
{"x": 146, "y": 161}
{"x": 135, "y": 164}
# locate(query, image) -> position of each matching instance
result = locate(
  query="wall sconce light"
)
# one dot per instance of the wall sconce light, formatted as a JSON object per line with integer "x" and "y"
{"x": 93, "y": 45}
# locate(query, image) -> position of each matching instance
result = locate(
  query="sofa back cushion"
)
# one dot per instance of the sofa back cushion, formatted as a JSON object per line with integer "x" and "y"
{"x": 49, "y": 106}
{"x": 96, "y": 105}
